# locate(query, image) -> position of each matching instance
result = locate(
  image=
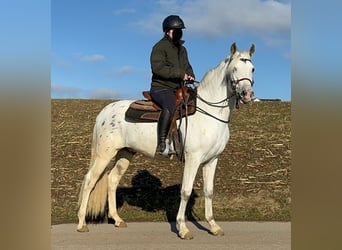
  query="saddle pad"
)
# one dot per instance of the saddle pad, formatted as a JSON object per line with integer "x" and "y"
{"x": 140, "y": 115}
{"x": 152, "y": 115}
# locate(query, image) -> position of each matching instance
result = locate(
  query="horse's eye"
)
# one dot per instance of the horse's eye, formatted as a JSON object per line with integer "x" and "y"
{"x": 253, "y": 70}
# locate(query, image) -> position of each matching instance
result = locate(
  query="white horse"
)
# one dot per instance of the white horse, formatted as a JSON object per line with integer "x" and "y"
{"x": 207, "y": 135}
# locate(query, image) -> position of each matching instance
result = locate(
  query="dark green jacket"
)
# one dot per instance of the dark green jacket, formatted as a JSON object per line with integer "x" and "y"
{"x": 169, "y": 64}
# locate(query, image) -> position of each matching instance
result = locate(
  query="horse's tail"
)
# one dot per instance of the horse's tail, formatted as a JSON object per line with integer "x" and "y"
{"x": 98, "y": 196}
{"x": 97, "y": 202}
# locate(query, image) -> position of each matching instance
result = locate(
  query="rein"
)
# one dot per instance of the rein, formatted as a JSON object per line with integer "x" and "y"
{"x": 213, "y": 104}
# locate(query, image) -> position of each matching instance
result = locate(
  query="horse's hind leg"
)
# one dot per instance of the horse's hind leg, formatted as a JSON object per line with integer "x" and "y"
{"x": 208, "y": 189}
{"x": 95, "y": 171}
{"x": 123, "y": 160}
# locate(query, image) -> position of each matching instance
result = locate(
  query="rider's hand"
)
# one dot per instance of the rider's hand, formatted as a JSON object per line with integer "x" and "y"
{"x": 188, "y": 78}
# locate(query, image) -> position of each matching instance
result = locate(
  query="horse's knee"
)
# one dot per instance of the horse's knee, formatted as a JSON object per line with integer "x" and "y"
{"x": 209, "y": 194}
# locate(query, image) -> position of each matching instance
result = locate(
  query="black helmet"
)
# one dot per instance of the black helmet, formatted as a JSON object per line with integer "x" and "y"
{"x": 173, "y": 22}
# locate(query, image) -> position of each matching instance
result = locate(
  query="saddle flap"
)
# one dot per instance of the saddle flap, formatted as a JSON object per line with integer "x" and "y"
{"x": 145, "y": 105}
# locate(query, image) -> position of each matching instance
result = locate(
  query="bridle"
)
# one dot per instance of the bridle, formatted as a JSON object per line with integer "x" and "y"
{"x": 225, "y": 102}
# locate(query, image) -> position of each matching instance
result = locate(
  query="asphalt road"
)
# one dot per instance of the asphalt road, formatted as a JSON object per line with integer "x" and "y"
{"x": 162, "y": 235}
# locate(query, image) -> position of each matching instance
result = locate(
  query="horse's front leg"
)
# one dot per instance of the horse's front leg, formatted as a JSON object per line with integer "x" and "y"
{"x": 208, "y": 189}
{"x": 190, "y": 170}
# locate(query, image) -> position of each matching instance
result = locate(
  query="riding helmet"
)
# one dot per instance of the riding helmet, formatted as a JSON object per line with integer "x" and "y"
{"x": 173, "y": 22}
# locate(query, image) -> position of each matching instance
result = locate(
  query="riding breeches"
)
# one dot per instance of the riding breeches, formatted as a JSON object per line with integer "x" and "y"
{"x": 164, "y": 97}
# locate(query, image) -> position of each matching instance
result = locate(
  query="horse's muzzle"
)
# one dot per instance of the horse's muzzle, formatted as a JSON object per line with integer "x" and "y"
{"x": 246, "y": 96}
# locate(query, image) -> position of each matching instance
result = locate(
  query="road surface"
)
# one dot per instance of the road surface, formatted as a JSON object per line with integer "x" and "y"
{"x": 163, "y": 236}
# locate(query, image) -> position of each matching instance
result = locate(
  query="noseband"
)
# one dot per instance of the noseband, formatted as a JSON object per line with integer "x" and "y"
{"x": 235, "y": 82}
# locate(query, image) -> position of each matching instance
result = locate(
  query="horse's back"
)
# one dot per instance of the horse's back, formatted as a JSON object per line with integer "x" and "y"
{"x": 114, "y": 132}
{"x": 115, "y": 108}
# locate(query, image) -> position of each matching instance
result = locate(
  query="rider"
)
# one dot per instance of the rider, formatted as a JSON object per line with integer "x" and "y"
{"x": 170, "y": 66}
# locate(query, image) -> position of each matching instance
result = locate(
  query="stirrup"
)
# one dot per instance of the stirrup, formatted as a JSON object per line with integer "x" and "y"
{"x": 167, "y": 151}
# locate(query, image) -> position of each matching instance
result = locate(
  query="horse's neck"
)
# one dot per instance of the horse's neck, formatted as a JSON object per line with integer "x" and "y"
{"x": 213, "y": 87}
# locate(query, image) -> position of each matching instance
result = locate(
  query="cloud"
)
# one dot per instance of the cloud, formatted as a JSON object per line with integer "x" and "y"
{"x": 59, "y": 90}
{"x": 104, "y": 94}
{"x": 225, "y": 17}
{"x": 90, "y": 58}
{"x": 124, "y": 70}
{"x": 63, "y": 91}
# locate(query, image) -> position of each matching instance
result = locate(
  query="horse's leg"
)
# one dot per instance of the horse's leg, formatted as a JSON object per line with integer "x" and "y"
{"x": 123, "y": 159}
{"x": 95, "y": 171}
{"x": 208, "y": 189}
{"x": 190, "y": 170}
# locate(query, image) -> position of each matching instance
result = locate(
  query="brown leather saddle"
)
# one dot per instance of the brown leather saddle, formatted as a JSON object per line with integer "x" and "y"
{"x": 148, "y": 111}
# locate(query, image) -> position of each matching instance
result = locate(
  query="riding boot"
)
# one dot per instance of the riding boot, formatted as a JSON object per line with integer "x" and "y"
{"x": 162, "y": 130}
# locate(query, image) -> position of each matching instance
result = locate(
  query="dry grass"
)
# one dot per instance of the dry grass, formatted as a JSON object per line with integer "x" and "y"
{"x": 252, "y": 179}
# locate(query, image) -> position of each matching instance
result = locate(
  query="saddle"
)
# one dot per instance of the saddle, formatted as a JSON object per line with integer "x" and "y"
{"x": 148, "y": 111}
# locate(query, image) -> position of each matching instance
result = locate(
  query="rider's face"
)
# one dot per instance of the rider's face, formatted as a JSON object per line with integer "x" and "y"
{"x": 175, "y": 34}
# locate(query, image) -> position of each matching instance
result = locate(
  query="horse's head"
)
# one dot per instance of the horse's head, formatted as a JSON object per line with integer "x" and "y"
{"x": 240, "y": 72}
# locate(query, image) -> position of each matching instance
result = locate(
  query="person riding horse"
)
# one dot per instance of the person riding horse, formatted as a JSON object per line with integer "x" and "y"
{"x": 170, "y": 66}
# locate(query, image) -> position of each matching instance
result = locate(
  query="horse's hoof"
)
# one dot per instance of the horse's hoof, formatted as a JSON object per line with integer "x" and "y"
{"x": 186, "y": 236}
{"x": 83, "y": 229}
{"x": 121, "y": 224}
{"x": 218, "y": 232}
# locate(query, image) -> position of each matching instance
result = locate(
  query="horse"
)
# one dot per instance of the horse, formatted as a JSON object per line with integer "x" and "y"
{"x": 221, "y": 90}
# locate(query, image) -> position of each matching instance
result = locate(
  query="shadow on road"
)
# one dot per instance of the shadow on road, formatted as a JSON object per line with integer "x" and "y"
{"x": 148, "y": 194}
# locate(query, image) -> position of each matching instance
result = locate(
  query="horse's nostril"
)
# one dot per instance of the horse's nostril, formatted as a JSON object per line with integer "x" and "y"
{"x": 244, "y": 93}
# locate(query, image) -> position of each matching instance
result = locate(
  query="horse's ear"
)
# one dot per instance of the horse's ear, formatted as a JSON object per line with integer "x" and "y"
{"x": 233, "y": 48}
{"x": 251, "y": 50}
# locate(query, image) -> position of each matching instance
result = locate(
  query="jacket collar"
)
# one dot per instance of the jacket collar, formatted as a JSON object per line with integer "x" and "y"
{"x": 180, "y": 42}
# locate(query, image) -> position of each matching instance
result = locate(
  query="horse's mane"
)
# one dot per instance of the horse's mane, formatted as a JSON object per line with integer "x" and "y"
{"x": 214, "y": 74}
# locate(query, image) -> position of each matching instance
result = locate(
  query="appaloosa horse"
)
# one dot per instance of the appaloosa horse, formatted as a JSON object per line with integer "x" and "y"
{"x": 223, "y": 87}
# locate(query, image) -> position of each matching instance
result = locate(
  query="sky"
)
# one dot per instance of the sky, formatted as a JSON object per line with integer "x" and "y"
{"x": 101, "y": 49}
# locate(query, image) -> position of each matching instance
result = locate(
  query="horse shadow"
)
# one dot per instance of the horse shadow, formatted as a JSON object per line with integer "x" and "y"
{"x": 148, "y": 194}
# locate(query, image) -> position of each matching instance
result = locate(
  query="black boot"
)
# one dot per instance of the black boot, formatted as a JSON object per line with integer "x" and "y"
{"x": 163, "y": 129}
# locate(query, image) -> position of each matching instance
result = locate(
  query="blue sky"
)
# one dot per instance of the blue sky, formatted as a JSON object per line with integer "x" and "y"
{"x": 101, "y": 49}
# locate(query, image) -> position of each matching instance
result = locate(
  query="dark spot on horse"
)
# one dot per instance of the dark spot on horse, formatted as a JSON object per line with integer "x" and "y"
{"x": 100, "y": 135}
{"x": 103, "y": 123}
{"x": 113, "y": 116}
